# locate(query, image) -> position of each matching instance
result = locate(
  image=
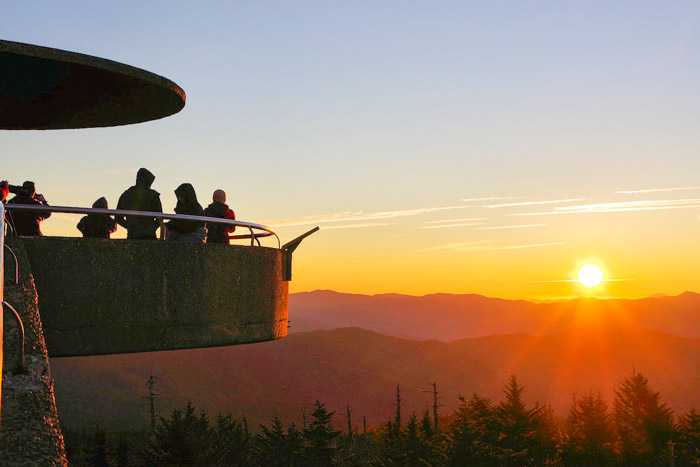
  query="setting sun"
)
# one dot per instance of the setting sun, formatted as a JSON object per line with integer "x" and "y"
{"x": 590, "y": 275}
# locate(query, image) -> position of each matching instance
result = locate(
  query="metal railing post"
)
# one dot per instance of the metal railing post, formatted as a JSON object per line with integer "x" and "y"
{"x": 2, "y": 290}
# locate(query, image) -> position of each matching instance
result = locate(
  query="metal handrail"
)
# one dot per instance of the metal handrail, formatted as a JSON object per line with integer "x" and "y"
{"x": 19, "y": 366}
{"x": 16, "y": 263}
{"x": 254, "y": 236}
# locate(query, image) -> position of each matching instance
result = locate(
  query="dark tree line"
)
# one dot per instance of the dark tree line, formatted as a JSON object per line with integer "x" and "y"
{"x": 636, "y": 430}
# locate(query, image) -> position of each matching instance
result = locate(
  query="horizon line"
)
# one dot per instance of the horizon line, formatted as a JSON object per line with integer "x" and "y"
{"x": 531, "y": 300}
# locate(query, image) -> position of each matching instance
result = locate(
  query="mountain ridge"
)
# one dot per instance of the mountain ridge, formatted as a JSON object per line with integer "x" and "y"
{"x": 361, "y": 368}
{"x": 449, "y": 317}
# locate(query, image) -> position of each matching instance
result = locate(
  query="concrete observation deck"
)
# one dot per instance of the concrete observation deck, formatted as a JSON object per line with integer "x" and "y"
{"x": 117, "y": 296}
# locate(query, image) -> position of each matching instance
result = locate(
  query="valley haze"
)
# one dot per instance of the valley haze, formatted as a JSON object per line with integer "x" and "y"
{"x": 353, "y": 349}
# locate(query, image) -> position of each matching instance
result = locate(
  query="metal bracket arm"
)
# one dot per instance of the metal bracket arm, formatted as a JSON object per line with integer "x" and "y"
{"x": 287, "y": 250}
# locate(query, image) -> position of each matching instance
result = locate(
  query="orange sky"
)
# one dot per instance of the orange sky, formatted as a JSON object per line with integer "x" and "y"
{"x": 460, "y": 147}
{"x": 641, "y": 253}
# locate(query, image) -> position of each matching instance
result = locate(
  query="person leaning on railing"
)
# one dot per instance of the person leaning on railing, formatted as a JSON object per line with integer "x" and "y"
{"x": 97, "y": 225}
{"x": 140, "y": 197}
{"x": 179, "y": 230}
{"x": 27, "y": 223}
{"x": 218, "y": 233}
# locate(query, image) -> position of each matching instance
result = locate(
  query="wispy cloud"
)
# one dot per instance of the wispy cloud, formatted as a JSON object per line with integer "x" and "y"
{"x": 535, "y": 203}
{"x": 519, "y": 247}
{"x": 457, "y": 246}
{"x": 444, "y": 226}
{"x": 649, "y": 205}
{"x": 502, "y": 227}
{"x": 351, "y": 216}
{"x": 492, "y": 198}
{"x": 357, "y": 226}
{"x": 576, "y": 280}
{"x": 482, "y": 246}
{"x": 657, "y": 190}
{"x": 469, "y": 219}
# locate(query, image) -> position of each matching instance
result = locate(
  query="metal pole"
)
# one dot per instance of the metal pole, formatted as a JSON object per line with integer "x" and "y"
{"x": 2, "y": 290}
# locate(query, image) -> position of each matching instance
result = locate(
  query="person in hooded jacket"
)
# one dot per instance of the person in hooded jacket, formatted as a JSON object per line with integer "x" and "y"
{"x": 140, "y": 197}
{"x": 27, "y": 222}
{"x": 180, "y": 230}
{"x": 218, "y": 233}
{"x": 98, "y": 225}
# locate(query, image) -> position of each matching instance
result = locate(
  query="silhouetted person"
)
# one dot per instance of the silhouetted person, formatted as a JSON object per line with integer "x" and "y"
{"x": 26, "y": 223}
{"x": 98, "y": 225}
{"x": 180, "y": 230}
{"x": 218, "y": 233}
{"x": 140, "y": 197}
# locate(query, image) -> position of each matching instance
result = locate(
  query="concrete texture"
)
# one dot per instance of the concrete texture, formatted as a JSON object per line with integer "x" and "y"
{"x": 44, "y": 88}
{"x": 30, "y": 434}
{"x": 117, "y": 296}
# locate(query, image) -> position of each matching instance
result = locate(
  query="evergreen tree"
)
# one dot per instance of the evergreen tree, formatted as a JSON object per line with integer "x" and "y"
{"x": 178, "y": 440}
{"x": 644, "y": 425}
{"x": 518, "y": 426}
{"x": 418, "y": 447}
{"x": 360, "y": 452}
{"x": 276, "y": 447}
{"x": 426, "y": 425}
{"x": 472, "y": 434}
{"x": 413, "y": 443}
{"x": 123, "y": 451}
{"x": 589, "y": 432}
{"x": 546, "y": 449}
{"x": 320, "y": 439}
{"x": 687, "y": 447}
{"x": 76, "y": 445}
{"x": 267, "y": 446}
{"x": 390, "y": 445}
{"x": 293, "y": 446}
{"x": 227, "y": 443}
{"x": 97, "y": 451}
{"x": 100, "y": 449}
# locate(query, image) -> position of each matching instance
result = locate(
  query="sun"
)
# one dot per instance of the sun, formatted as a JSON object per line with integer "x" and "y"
{"x": 590, "y": 275}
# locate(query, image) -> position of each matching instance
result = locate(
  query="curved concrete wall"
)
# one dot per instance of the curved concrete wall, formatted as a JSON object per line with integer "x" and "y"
{"x": 118, "y": 296}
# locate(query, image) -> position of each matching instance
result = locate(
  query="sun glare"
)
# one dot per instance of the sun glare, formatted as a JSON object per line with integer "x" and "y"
{"x": 590, "y": 275}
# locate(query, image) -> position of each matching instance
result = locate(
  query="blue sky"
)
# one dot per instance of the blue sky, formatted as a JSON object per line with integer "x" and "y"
{"x": 313, "y": 109}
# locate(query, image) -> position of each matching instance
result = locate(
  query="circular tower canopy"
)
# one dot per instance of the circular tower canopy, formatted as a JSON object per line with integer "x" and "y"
{"x": 43, "y": 88}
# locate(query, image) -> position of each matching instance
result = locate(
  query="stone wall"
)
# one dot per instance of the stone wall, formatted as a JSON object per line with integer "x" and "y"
{"x": 30, "y": 434}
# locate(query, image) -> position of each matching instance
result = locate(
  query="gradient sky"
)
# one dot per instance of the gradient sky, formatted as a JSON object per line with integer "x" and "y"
{"x": 463, "y": 147}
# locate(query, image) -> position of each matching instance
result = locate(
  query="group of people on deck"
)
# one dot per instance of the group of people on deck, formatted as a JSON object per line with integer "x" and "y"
{"x": 140, "y": 197}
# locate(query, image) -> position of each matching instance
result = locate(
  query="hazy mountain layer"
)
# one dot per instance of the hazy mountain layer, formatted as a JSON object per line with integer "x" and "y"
{"x": 449, "y": 317}
{"x": 361, "y": 368}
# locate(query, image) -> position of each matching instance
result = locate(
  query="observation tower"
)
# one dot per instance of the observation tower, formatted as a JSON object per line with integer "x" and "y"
{"x": 82, "y": 296}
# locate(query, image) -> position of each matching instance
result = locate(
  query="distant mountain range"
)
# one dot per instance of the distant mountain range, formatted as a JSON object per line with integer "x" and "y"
{"x": 571, "y": 346}
{"x": 449, "y": 317}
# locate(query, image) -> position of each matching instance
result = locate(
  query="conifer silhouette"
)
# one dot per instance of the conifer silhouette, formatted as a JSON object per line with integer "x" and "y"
{"x": 644, "y": 425}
